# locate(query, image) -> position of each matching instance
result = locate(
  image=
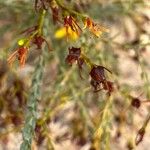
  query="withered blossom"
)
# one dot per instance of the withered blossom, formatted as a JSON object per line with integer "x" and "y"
{"x": 98, "y": 79}
{"x": 98, "y": 73}
{"x": 21, "y": 54}
{"x": 75, "y": 56}
{"x": 95, "y": 28}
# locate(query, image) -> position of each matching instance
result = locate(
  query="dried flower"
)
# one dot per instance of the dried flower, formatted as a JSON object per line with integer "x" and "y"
{"x": 95, "y": 28}
{"x": 21, "y": 54}
{"x": 97, "y": 73}
{"x": 98, "y": 79}
{"x": 75, "y": 56}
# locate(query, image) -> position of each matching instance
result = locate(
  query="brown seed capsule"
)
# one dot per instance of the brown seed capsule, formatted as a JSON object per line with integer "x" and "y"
{"x": 136, "y": 102}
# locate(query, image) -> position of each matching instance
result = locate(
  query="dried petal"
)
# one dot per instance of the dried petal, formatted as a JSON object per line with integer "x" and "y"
{"x": 95, "y": 28}
{"x": 21, "y": 53}
{"x": 74, "y": 55}
{"x": 97, "y": 73}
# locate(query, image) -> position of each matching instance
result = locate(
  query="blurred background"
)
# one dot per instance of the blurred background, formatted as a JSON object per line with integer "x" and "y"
{"x": 69, "y": 112}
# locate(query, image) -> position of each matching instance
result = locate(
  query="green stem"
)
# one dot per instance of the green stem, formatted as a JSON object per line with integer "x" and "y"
{"x": 41, "y": 22}
{"x": 39, "y": 30}
{"x": 31, "y": 116}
